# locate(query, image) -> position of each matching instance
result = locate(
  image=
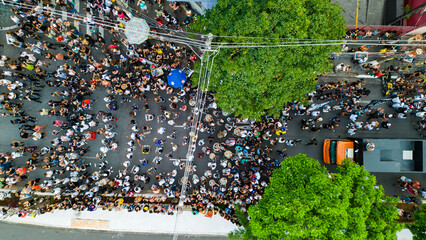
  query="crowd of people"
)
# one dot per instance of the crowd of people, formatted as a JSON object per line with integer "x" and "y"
{"x": 410, "y": 186}
{"x": 68, "y": 62}
{"x": 55, "y": 55}
{"x": 401, "y": 73}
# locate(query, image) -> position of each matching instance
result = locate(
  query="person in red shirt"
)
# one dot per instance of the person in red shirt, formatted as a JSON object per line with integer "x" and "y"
{"x": 379, "y": 74}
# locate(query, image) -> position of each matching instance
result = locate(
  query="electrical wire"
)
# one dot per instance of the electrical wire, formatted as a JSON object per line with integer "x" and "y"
{"x": 56, "y": 12}
{"x": 179, "y": 39}
{"x": 195, "y": 126}
{"x": 293, "y": 39}
{"x": 329, "y": 40}
{"x": 153, "y": 34}
{"x": 366, "y": 41}
{"x": 146, "y": 17}
{"x": 190, "y": 41}
{"x": 191, "y": 145}
{"x": 200, "y": 43}
{"x": 304, "y": 42}
{"x": 69, "y": 15}
{"x": 313, "y": 44}
{"x": 96, "y": 19}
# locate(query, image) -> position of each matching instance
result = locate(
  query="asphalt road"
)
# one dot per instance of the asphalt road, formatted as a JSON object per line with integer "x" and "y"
{"x": 10, "y": 231}
{"x": 115, "y": 158}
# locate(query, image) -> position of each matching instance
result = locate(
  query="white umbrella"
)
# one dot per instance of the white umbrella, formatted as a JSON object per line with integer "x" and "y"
{"x": 137, "y": 31}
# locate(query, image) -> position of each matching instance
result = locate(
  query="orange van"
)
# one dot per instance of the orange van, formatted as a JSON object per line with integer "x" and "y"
{"x": 335, "y": 151}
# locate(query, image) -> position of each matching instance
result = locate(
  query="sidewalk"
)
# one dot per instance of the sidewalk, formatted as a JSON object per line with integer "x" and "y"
{"x": 138, "y": 222}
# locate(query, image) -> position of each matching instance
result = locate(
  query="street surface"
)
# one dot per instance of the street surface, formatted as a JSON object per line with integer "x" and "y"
{"x": 12, "y": 231}
{"x": 174, "y": 147}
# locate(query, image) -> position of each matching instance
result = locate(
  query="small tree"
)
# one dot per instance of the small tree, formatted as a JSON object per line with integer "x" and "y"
{"x": 244, "y": 232}
{"x": 418, "y": 228}
{"x": 305, "y": 201}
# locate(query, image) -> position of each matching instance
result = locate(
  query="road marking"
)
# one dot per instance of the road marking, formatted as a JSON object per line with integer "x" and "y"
{"x": 77, "y": 7}
{"x": 180, "y": 159}
{"x": 64, "y": 13}
{"x": 8, "y": 28}
{"x": 88, "y": 21}
{"x": 101, "y": 29}
{"x": 357, "y": 11}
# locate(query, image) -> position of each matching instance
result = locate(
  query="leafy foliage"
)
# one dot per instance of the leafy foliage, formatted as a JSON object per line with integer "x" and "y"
{"x": 418, "y": 228}
{"x": 249, "y": 81}
{"x": 304, "y": 201}
{"x": 244, "y": 232}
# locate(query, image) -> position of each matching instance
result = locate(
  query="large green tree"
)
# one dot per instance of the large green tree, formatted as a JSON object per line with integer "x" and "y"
{"x": 305, "y": 201}
{"x": 249, "y": 81}
{"x": 418, "y": 228}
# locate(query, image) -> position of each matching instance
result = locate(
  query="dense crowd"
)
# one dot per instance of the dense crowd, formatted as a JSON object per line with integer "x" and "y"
{"x": 74, "y": 183}
{"x": 402, "y": 78}
{"x": 54, "y": 54}
{"x": 79, "y": 72}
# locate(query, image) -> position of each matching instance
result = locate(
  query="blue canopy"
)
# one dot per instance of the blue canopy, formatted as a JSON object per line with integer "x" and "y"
{"x": 176, "y": 78}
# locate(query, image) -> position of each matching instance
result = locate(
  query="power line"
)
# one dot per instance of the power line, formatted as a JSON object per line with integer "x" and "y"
{"x": 296, "y": 44}
{"x": 178, "y": 39}
{"x": 145, "y": 17}
{"x": 59, "y": 14}
{"x": 199, "y": 43}
{"x": 55, "y": 11}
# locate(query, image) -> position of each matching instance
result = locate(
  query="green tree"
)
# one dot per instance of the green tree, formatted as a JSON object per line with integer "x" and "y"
{"x": 305, "y": 201}
{"x": 418, "y": 228}
{"x": 244, "y": 232}
{"x": 249, "y": 81}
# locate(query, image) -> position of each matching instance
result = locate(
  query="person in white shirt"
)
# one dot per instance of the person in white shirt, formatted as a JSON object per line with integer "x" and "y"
{"x": 15, "y": 19}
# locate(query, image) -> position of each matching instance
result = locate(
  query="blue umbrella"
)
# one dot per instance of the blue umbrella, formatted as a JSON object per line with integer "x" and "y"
{"x": 176, "y": 78}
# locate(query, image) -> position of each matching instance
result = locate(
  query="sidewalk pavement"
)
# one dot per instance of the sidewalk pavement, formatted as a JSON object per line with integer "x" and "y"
{"x": 137, "y": 222}
{"x": 140, "y": 222}
{"x": 405, "y": 234}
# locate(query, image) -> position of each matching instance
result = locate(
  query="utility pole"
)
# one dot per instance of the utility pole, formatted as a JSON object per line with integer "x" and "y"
{"x": 209, "y": 41}
{"x": 193, "y": 134}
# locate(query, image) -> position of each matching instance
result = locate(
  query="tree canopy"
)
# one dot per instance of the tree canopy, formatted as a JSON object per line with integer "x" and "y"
{"x": 249, "y": 81}
{"x": 305, "y": 201}
{"x": 418, "y": 228}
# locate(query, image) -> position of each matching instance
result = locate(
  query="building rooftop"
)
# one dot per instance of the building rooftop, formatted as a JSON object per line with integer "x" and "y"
{"x": 395, "y": 155}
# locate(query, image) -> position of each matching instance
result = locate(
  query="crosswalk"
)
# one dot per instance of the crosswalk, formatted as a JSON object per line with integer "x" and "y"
{"x": 82, "y": 25}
